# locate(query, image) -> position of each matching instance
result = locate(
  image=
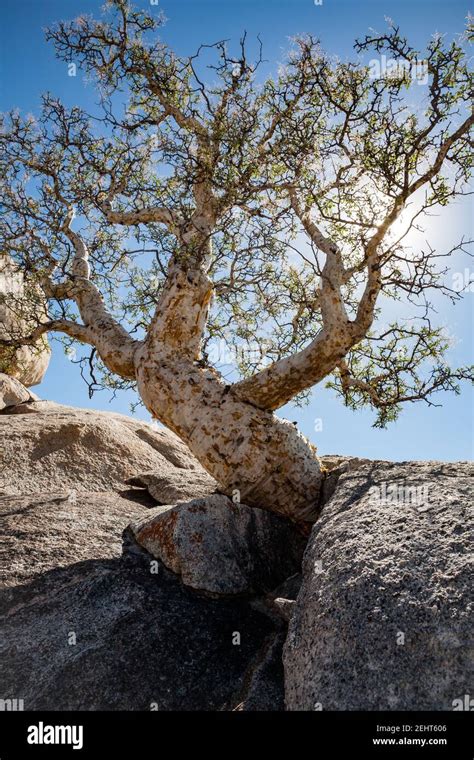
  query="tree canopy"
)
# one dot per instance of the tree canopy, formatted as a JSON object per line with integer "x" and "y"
{"x": 294, "y": 193}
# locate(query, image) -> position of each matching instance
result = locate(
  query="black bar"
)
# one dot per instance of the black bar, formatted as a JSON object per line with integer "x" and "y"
{"x": 154, "y": 734}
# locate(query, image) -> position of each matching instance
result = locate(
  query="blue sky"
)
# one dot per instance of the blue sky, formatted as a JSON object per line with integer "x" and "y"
{"x": 28, "y": 68}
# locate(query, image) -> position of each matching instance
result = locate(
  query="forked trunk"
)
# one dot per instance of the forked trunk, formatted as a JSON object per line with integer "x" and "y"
{"x": 255, "y": 457}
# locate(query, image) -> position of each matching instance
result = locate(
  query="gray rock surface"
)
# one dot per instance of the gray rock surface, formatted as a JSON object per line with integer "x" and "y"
{"x": 261, "y": 690}
{"x": 47, "y": 531}
{"x": 336, "y": 466}
{"x": 383, "y": 620}
{"x": 104, "y": 633}
{"x": 85, "y": 625}
{"x": 175, "y": 486}
{"x": 220, "y": 547}
{"x": 62, "y": 448}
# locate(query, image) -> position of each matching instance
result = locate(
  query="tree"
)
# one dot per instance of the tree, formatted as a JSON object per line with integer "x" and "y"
{"x": 219, "y": 205}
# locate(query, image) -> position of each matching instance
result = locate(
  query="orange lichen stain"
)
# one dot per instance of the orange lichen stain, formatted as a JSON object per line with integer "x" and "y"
{"x": 160, "y": 530}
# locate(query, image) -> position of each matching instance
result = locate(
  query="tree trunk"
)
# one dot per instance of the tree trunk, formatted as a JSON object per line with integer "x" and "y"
{"x": 254, "y": 456}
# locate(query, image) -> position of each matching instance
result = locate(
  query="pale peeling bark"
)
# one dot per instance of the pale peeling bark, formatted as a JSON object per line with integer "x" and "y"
{"x": 280, "y": 382}
{"x": 254, "y": 456}
{"x": 247, "y": 450}
{"x": 277, "y": 384}
{"x": 113, "y": 343}
{"x": 181, "y": 314}
{"x": 143, "y": 216}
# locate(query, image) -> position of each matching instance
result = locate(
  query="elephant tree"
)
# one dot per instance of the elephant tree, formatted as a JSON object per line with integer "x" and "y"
{"x": 205, "y": 203}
